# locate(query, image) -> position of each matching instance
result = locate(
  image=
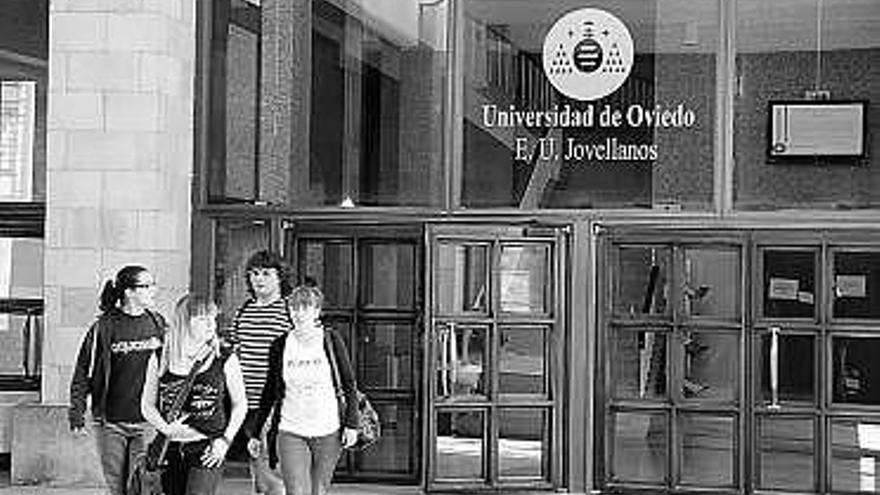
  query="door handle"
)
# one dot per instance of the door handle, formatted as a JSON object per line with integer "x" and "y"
{"x": 774, "y": 367}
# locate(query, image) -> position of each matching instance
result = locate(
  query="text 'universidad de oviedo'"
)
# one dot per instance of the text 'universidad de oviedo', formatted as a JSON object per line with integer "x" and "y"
{"x": 591, "y": 116}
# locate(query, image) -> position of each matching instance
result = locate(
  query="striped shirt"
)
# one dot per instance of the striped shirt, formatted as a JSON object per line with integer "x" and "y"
{"x": 252, "y": 332}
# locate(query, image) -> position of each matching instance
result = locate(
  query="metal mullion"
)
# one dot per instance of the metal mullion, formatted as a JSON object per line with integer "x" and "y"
{"x": 826, "y": 357}
{"x": 675, "y": 374}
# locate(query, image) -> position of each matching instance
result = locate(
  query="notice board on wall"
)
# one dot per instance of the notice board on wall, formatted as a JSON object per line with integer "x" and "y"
{"x": 808, "y": 128}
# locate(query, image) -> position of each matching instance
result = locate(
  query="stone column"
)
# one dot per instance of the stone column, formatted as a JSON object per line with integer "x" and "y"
{"x": 120, "y": 159}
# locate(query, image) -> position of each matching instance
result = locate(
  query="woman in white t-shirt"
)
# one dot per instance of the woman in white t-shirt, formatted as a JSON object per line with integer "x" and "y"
{"x": 308, "y": 429}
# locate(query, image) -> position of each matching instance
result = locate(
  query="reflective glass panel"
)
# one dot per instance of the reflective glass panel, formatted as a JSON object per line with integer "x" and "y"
{"x": 461, "y": 362}
{"x": 642, "y": 284}
{"x": 856, "y": 370}
{"x": 329, "y": 264}
{"x": 236, "y": 242}
{"x": 523, "y": 443}
{"x": 377, "y": 90}
{"x": 522, "y": 367}
{"x": 462, "y": 278}
{"x": 461, "y": 445}
{"x": 707, "y": 452}
{"x": 638, "y": 364}
{"x": 798, "y": 50}
{"x": 19, "y": 145}
{"x": 387, "y": 276}
{"x": 854, "y": 459}
{"x": 789, "y": 283}
{"x": 856, "y": 284}
{"x": 712, "y": 283}
{"x": 540, "y": 133}
{"x": 786, "y": 459}
{"x": 640, "y": 446}
{"x": 385, "y": 355}
{"x": 794, "y": 377}
{"x": 523, "y": 279}
{"x": 710, "y": 365}
{"x": 393, "y": 452}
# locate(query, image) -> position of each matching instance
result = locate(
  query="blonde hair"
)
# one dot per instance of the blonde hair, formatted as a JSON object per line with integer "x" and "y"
{"x": 180, "y": 347}
{"x": 306, "y": 295}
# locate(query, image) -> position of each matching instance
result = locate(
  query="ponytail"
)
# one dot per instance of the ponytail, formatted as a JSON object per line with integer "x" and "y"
{"x": 109, "y": 297}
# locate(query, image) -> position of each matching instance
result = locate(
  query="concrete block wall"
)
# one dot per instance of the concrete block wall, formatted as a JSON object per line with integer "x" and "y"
{"x": 119, "y": 168}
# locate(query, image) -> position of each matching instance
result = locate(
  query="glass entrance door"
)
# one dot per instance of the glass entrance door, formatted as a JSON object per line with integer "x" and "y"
{"x": 673, "y": 358}
{"x": 371, "y": 278}
{"x": 495, "y": 361}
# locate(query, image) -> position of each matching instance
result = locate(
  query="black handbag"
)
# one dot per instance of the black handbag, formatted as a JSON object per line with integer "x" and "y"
{"x": 145, "y": 475}
{"x": 369, "y": 429}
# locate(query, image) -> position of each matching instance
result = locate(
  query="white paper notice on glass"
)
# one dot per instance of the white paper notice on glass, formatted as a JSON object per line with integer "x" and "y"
{"x": 783, "y": 288}
{"x": 806, "y": 297}
{"x": 869, "y": 436}
{"x": 516, "y": 291}
{"x": 850, "y": 285}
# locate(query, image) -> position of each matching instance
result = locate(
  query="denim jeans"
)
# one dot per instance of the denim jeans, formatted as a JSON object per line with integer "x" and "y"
{"x": 266, "y": 480}
{"x": 185, "y": 474}
{"x": 118, "y": 445}
{"x": 308, "y": 461}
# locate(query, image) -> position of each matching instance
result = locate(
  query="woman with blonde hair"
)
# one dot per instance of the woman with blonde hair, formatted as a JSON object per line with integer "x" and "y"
{"x": 202, "y": 433}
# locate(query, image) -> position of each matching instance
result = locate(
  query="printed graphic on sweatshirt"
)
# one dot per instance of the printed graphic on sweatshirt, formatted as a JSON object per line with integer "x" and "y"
{"x": 129, "y": 346}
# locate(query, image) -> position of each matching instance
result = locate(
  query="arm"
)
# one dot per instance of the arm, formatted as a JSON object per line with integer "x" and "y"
{"x": 80, "y": 387}
{"x": 235, "y": 386}
{"x": 349, "y": 384}
{"x": 149, "y": 397}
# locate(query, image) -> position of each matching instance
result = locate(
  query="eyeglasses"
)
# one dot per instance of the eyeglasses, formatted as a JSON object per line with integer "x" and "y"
{"x": 144, "y": 286}
{"x": 262, "y": 272}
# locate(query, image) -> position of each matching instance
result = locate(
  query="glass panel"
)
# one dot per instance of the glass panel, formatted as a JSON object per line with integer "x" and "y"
{"x": 236, "y": 241}
{"x": 855, "y": 451}
{"x": 393, "y": 452}
{"x": 638, "y": 364}
{"x": 462, "y": 278}
{"x": 21, "y": 268}
{"x": 385, "y": 355}
{"x": 329, "y": 264}
{"x": 377, "y": 104}
{"x": 786, "y": 50}
{"x": 710, "y": 364}
{"x": 523, "y": 443}
{"x": 388, "y": 275}
{"x": 242, "y": 116}
{"x": 640, "y": 447}
{"x": 707, "y": 451}
{"x": 856, "y": 370}
{"x": 21, "y": 338}
{"x": 789, "y": 283}
{"x": 522, "y": 367}
{"x": 795, "y": 368}
{"x": 461, "y": 444}
{"x": 18, "y": 121}
{"x": 461, "y": 362}
{"x": 785, "y": 454}
{"x": 856, "y": 284}
{"x": 523, "y": 279}
{"x": 642, "y": 285}
{"x": 712, "y": 283}
{"x": 528, "y": 145}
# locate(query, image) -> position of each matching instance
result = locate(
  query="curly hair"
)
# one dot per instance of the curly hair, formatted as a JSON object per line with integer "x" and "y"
{"x": 268, "y": 259}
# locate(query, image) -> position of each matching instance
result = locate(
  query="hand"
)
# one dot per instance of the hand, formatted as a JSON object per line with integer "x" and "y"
{"x": 176, "y": 429}
{"x": 254, "y": 447}
{"x": 215, "y": 453}
{"x": 79, "y": 432}
{"x": 349, "y": 437}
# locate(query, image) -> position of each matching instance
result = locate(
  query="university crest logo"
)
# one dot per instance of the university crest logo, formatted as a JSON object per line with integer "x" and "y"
{"x": 588, "y": 54}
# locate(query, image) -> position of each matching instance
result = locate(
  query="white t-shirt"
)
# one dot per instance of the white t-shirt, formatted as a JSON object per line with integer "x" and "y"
{"x": 310, "y": 407}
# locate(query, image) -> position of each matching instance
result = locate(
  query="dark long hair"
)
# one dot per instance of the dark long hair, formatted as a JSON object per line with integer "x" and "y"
{"x": 114, "y": 290}
{"x": 269, "y": 259}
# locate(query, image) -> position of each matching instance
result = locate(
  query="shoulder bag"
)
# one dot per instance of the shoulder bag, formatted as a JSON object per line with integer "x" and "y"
{"x": 368, "y": 429}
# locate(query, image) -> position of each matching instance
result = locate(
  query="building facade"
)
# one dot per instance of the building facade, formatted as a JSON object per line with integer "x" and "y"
{"x": 610, "y": 246}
